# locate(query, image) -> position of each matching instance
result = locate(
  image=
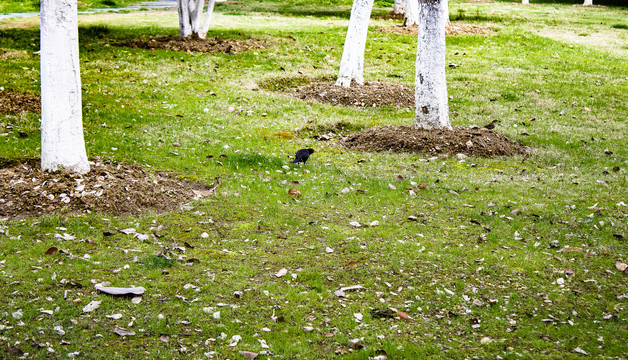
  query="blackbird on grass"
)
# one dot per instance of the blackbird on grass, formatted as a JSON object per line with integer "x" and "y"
{"x": 302, "y": 155}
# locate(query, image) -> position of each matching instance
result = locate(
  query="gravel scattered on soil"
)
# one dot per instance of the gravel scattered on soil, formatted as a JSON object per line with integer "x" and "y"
{"x": 15, "y": 102}
{"x": 451, "y": 29}
{"x": 471, "y": 141}
{"x": 371, "y": 94}
{"x": 117, "y": 189}
{"x": 210, "y": 45}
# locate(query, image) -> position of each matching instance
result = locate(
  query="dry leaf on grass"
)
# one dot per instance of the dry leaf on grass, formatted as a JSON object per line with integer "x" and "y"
{"x": 621, "y": 266}
{"x": 121, "y": 291}
{"x": 123, "y": 332}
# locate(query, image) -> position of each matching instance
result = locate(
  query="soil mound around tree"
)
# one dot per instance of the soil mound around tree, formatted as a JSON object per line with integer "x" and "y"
{"x": 15, "y": 102}
{"x": 451, "y": 29}
{"x": 471, "y": 141}
{"x": 371, "y": 94}
{"x": 120, "y": 189}
{"x": 210, "y": 45}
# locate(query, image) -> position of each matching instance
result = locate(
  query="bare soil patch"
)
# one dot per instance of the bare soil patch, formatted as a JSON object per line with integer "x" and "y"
{"x": 210, "y": 45}
{"x": 117, "y": 189}
{"x": 370, "y": 94}
{"x": 471, "y": 141}
{"x": 15, "y": 102}
{"x": 451, "y": 29}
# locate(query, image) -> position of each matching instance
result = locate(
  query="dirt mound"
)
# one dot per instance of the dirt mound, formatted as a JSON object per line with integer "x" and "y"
{"x": 451, "y": 29}
{"x": 15, "y": 102}
{"x": 26, "y": 190}
{"x": 471, "y": 141}
{"x": 211, "y": 45}
{"x": 371, "y": 94}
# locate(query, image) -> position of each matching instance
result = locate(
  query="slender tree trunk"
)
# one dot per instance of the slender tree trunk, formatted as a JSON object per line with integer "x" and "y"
{"x": 588, "y": 3}
{"x": 62, "y": 142}
{"x": 432, "y": 107}
{"x": 191, "y": 15}
{"x": 399, "y": 7}
{"x": 185, "y": 27}
{"x": 352, "y": 62}
{"x": 411, "y": 17}
{"x": 525, "y": 2}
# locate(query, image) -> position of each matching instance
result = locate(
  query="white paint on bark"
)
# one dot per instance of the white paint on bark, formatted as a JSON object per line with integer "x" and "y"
{"x": 411, "y": 17}
{"x": 432, "y": 106}
{"x": 399, "y": 7}
{"x": 62, "y": 142}
{"x": 525, "y": 2}
{"x": 352, "y": 62}
{"x": 588, "y": 3}
{"x": 191, "y": 15}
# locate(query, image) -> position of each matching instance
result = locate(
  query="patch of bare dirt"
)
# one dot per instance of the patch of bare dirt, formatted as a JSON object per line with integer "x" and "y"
{"x": 471, "y": 141}
{"x": 26, "y": 190}
{"x": 371, "y": 94}
{"x": 392, "y": 15}
{"x": 451, "y": 29}
{"x": 210, "y": 45}
{"x": 15, "y": 102}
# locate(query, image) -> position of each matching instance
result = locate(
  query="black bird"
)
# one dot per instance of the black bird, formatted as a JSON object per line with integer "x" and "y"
{"x": 302, "y": 155}
{"x": 491, "y": 125}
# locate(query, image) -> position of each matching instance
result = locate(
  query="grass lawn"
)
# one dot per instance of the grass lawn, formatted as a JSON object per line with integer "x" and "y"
{"x": 508, "y": 258}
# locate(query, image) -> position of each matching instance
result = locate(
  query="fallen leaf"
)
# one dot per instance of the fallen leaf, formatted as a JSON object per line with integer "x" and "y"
{"x": 345, "y": 190}
{"x": 352, "y": 264}
{"x": 281, "y": 272}
{"x": 164, "y": 338}
{"x": 352, "y": 288}
{"x": 136, "y": 300}
{"x": 340, "y": 293}
{"x": 128, "y": 231}
{"x": 121, "y": 291}
{"x": 403, "y": 316}
{"x": 123, "y": 332}
{"x": 51, "y": 251}
{"x": 249, "y": 354}
{"x": 93, "y": 305}
{"x": 294, "y": 192}
{"x": 393, "y": 187}
{"x": 281, "y": 235}
{"x": 621, "y": 266}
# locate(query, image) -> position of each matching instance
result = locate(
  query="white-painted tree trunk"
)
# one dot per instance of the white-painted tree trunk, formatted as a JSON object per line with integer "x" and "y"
{"x": 588, "y": 3}
{"x": 411, "y": 17}
{"x": 432, "y": 106}
{"x": 352, "y": 62}
{"x": 399, "y": 7}
{"x": 525, "y": 2}
{"x": 62, "y": 142}
{"x": 190, "y": 16}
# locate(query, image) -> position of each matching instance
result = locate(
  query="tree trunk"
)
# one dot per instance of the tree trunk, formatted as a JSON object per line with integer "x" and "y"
{"x": 432, "y": 107}
{"x": 352, "y": 62}
{"x": 588, "y": 3}
{"x": 525, "y": 2}
{"x": 411, "y": 17}
{"x": 190, "y": 15}
{"x": 62, "y": 142}
{"x": 399, "y": 7}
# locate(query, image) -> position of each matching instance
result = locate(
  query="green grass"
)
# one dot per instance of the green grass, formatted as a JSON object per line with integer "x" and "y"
{"x": 535, "y": 74}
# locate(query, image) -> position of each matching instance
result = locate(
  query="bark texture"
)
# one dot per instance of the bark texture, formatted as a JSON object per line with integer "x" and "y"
{"x": 432, "y": 106}
{"x": 411, "y": 17}
{"x": 62, "y": 142}
{"x": 352, "y": 62}
{"x": 588, "y": 3}
{"x": 191, "y": 21}
{"x": 399, "y": 7}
